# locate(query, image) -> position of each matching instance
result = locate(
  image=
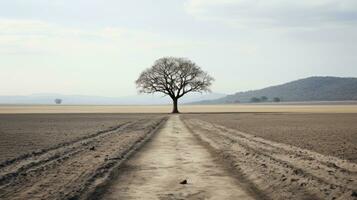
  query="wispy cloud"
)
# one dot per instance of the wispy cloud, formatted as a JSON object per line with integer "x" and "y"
{"x": 39, "y": 37}
{"x": 97, "y": 47}
{"x": 268, "y": 13}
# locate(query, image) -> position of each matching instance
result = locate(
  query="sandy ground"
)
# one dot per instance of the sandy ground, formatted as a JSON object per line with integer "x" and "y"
{"x": 278, "y": 170}
{"x": 300, "y": 108}
{"x": 74, "y": 169}
{"x": 24, "y": 134}
{"x": 327, "y": 133}
{"x": 172, "y": 156}
{"x": 223, "y": 156}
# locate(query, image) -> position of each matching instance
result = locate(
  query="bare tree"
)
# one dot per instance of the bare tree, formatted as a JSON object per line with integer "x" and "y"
{"x": 264, "y": 98}
{"x": 276, "y": 99}
{"x": 58, "y": 101}
{"x": 174, "y": 77}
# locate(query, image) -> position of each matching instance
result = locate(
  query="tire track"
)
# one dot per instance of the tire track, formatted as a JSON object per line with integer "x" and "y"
{"x": 281, "y": 171}
{"x": 70, "y": 170}
{"x": 174, "y": 154}
{"x": 43, "y": 151}
{"x": 37, "y": 161}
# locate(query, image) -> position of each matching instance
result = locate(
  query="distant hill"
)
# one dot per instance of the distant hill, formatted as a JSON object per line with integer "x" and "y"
{"x": 308, "y": 89}
{"x": 144, "y": 99}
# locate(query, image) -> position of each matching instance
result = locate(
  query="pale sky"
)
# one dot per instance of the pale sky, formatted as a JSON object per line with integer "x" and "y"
{"x": 99, "y": 47}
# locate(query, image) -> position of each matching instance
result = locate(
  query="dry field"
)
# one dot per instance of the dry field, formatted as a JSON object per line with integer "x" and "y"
{"x": 278, "y": 170}
{"x": 30, "y": 133}
{"x": 308, "y": 153}
{"x": 63, "y": 156}
{"x": 300, "y": 108}
{"x": 329, "y": 133}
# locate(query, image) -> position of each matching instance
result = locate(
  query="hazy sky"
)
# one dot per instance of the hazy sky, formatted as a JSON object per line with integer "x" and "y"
{"x": 99, "y": 47}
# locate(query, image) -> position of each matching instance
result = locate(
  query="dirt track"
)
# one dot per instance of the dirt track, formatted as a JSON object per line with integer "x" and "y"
{"x": 172, "y": 156}
{"x": 218, "y": 162}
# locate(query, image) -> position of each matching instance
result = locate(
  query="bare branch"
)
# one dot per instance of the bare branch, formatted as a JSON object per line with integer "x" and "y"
{"x": 174, "y": 77}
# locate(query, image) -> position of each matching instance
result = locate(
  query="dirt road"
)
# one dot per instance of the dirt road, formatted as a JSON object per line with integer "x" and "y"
{"x": 172, "y": 156}
{"x": 217, "y": 161}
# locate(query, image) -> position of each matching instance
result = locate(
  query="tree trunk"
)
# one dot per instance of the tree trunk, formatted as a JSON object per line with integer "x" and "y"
{"x": 175, "y": 108}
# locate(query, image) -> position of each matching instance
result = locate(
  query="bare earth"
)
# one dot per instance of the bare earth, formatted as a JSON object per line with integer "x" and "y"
{"x": 172, "y": 156}
{"x": 329, "y": 133}
{"x": 278, "y": 170}
{"x": 223, "y": 156}
{"x": 23, "y": 134}
{"x": 75, "y": 168}
{"x": 324, "y": 107}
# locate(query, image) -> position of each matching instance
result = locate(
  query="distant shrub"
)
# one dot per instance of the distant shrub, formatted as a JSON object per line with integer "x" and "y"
{"x": 263, "y": 98}
{"x": 276, "y": 99}
{"x": 58, "y": 101}
{"x": 255, "y": 100}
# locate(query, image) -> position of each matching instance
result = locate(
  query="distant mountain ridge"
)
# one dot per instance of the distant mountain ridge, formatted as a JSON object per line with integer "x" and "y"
{"x": 316, "y": 88}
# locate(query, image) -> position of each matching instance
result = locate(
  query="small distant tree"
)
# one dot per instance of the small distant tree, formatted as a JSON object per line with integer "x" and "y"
{"x": 58, "y": 101}
{"x": 174, "y": 77}
{"x": 276, "y": 99}
{"x": 255, "y": 100}
{"x": 236, "y": 101}
{"x": 263, "y": 98}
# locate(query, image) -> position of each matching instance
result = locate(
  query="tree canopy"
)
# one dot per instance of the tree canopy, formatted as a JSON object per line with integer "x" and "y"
{"x": 174, "y": 77}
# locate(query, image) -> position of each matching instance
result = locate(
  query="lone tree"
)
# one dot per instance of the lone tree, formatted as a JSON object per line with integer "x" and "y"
{"x": 174, "y": 77}
{"x": 58, "y": 101}
{"x": 263, "y": 98}
{"x": 255, "y": 100}
{"x": 276, "y": 99}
